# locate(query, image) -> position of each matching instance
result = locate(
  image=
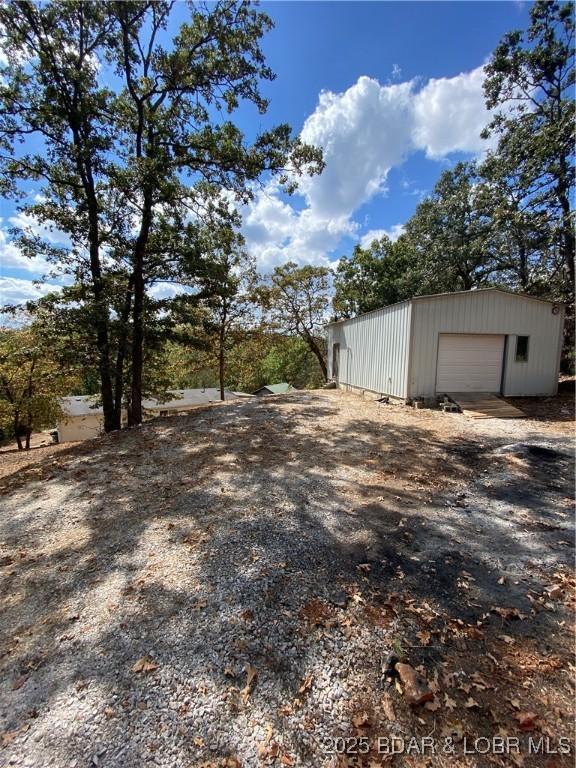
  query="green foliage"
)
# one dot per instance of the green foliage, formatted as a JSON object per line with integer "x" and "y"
{"x": 449, "y": 233}
{"x": 291, "y": 360}
{"x": 31, "y": 382}
{"x": 530, "y": 85}
{"x": 374, "y": 277}
{"x": 130, "y": 166}
{"x": 254, "y": 358}
{"x": 296, "y": 301}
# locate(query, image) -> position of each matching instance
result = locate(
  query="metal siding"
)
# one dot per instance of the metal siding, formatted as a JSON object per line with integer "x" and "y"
{"x": 374, "y": 350}
{"x": 488, "y": 312}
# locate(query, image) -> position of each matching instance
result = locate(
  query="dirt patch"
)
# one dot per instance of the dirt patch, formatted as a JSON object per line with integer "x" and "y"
{"x": 13, "y": 461}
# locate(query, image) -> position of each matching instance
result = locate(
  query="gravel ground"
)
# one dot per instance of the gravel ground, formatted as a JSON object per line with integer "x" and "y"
{"x": 12, "y": 460}
{"x": 223, "y": 588}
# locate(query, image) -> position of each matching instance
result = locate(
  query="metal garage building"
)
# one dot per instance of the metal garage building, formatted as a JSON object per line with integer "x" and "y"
{"x": 488, "y": 340}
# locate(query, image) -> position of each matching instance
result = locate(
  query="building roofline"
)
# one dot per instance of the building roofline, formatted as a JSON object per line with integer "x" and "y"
{"x": 444, "y": 295}
{"x": 485, "y": 290}
{"x": 365, "y": 314}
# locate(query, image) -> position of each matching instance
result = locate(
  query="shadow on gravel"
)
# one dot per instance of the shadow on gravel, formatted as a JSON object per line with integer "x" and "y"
{"x": 254, "y": 510}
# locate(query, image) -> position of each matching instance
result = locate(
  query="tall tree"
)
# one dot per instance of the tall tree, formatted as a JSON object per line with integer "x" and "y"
{"x": 530, "y": 85}
{"x": 449, "y": 234}
{"x": 49, "y": 89}
{"x": 373, "y": 277}
{"x": 520, "y": 239}
{"x": 226, "y": 280}
{"x": 297, "y": 300}
{"x": 116, "y": 161}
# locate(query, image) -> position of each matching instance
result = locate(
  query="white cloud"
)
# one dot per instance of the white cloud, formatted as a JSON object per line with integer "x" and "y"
{"x": 275, "y": 232}
{"x": 450, "y": 114}
{"x": 375, "y": 234}
{"x": 11, "y": 256}
{"x": 30, "y": 224}
{"x": 364, "y": 132}
{"x": 14, "y": 290}
{"x": 166, "y": 290}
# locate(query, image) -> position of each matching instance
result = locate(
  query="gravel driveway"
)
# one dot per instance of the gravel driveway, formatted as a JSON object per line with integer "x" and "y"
{"x": 224, "y": 588}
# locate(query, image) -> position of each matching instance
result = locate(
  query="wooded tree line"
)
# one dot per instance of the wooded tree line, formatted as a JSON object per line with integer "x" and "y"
{"x": 507, "y": 219}
{"x": 134, "y": 144}
{"x": 136, "y": 158}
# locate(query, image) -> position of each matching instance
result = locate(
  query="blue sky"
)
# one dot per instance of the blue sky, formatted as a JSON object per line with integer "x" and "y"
{"x": 393, "y": 93}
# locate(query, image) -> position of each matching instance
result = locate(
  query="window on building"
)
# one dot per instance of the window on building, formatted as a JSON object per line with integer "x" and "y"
{"x": 521, "y": 349}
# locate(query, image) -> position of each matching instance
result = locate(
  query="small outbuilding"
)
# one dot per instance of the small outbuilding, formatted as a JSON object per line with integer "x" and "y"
{"x": 274, "y": 389}
{"x": 82, "y": 418}
{"x": 487, "y": 340}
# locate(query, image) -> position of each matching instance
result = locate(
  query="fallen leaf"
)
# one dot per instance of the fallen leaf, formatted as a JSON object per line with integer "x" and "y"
{"x": 251, "y": 674}
{"x": 230, "y": 762}
{"x": 361, "y": 720}
{"x": 433, "y": 705}
{"x": 507, "y": 613}
{"x": 19, "y": 682}
{"x": 526, "y": 720}
{"x": 268, "y": 751}
{"x": 145, "y": 665}
{"x": 364, "y": 567}
{"x": 388, "y": 708}
{"x": 424, "y": 637}
{"x": 449, "y": 703}
{"x": 306, "y": 683}
{"x": 480, "y": 682}
{"x": 471, "y": 703}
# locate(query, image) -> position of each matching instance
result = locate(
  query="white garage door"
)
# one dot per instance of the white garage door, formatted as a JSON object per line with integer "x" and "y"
{"x": 469, "y": 362}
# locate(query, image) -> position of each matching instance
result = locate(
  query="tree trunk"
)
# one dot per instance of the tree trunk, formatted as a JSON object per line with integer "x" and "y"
{"x": 567, "y": 246}
{"x": 309, "y": 339}
{"x": 567, "y": 249}
{"x": 221, "y": 363}
{"x": 102, "y": 340}
{"x": 138, "y": 310}
{"x": 121, "y": 355}
{"x": 16, "y": 427}
{"x": 523, "y": 276}
{"x": 137, "y": 340}
{"x": 28, "y": 436}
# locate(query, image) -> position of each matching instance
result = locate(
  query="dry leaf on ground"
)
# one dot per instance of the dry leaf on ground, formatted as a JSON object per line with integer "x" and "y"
{"x": 145, "y": 665}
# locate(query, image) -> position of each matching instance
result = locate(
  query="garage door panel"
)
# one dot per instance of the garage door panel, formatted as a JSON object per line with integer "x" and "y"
{"x": 469, "y": 362}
